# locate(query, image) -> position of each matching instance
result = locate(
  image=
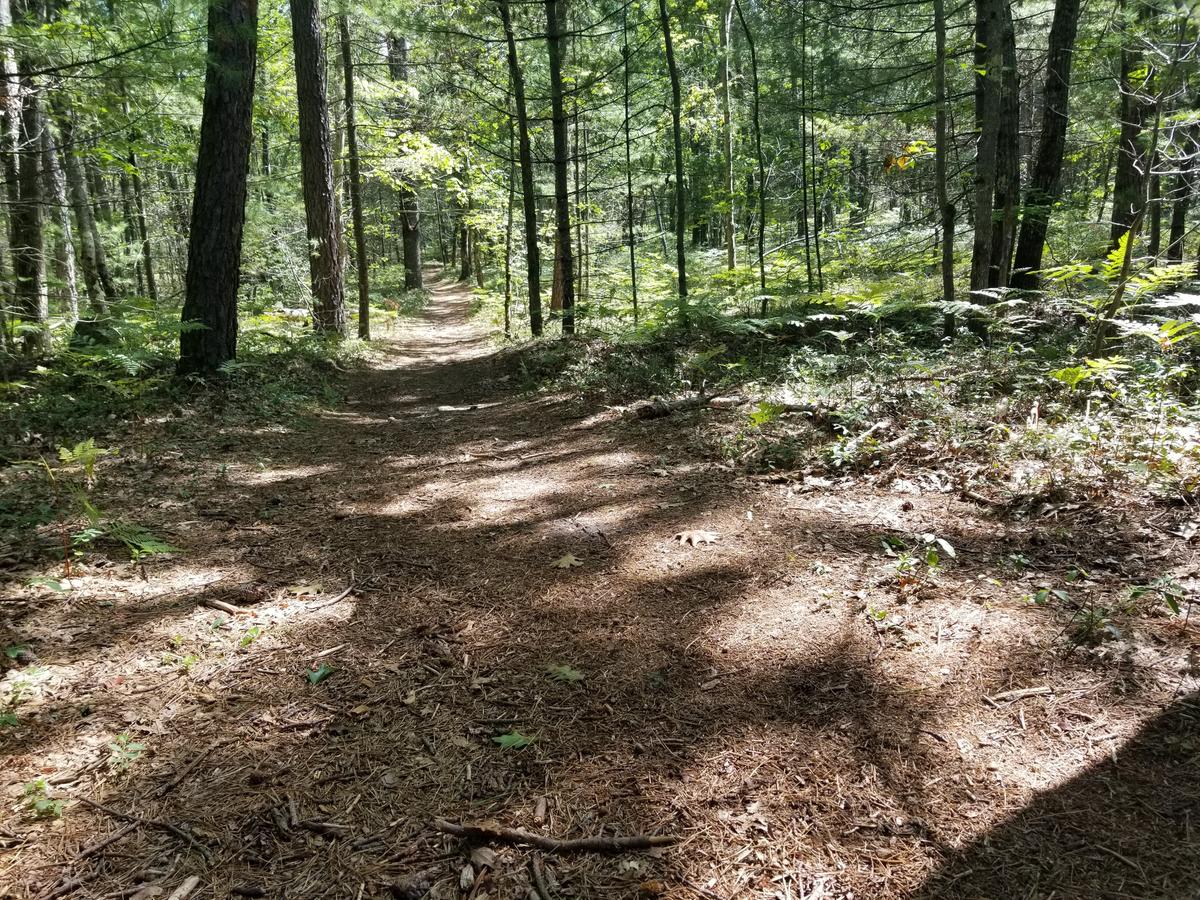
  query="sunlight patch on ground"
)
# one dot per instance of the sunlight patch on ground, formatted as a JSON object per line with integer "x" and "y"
{"x": 291, "y": 473}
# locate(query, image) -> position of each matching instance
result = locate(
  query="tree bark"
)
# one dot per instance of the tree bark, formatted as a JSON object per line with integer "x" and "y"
{"x": 410, "y": 201}
{"x": 356, "y": 205}
{"x": 1181, "y": 197}
{"x": 316, "y": 166}
{"x": 1129, "y": 185}
{"x": 97, "y": 282}
{"x": 680, "y": 188}
{"x": 1008, "y": 156}
{"x": 219, "y": 200}
{"x": 533, "y": 266}
{"x": 1045, "y": 182}
{"x": 727, "y": 213}
{"x": 989, "y": 63}
{"x": 761, "y": 165}
{"x": 28, "y": 225}
{"x": 625, "y": 54}
{"x": 564, "y": 265}
{"x": 56, "y": 187}
{"x": 941, "y": 155}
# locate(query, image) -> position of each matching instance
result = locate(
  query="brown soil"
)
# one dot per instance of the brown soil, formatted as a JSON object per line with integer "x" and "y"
{"x": 806, "y": 726}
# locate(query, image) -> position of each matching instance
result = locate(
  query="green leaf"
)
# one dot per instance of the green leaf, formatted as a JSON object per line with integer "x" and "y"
{"x": 8, "y": 720}
{"x": 513, "y": 740}
{"x": 320, "y": 673}
{"x": 565, "y": 674}
{"x": 52, "y": 583}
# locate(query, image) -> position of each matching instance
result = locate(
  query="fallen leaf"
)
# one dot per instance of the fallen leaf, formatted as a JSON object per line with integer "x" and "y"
{"x": 565, "y": 674}
{"x": 484, "y": 857}
{"x": 697, "y": 536}
{"x": 513, "y": 740}
{"x": 320, "y": 673}
{"x": 567, "y": 561}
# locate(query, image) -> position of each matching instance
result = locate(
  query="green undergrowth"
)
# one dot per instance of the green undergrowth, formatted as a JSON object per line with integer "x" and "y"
{"x": 96, "y": 389}
{"x": 1028, "y": 411}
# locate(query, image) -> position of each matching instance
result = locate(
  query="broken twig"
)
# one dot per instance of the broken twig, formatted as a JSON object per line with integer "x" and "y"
{"x": 487, "y": 834}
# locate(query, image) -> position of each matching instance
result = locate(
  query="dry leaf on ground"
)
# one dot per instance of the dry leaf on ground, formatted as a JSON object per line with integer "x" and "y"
{"x": 697, "y": 536}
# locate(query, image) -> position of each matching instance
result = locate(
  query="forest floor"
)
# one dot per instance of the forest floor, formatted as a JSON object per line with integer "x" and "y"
{"x": 803, "y": 721}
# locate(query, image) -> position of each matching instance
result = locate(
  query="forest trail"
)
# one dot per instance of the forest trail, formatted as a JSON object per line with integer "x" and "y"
{"x": 743, "y": 695}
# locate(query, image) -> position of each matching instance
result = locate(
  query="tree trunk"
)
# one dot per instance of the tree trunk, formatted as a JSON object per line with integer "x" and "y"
{"x": 96, "y": 280}
{"x": 410, "y": 201}
{"x": 356, "y": 206}
{"x": 219, "y": 200}
{"x": 10, "y": 138}
{"x": 1045, "y": 182}
{"x": 629, "y": 168}
{"x": 1008, "y": 157}
{"x": 1128, "y": 185}
{"x": 1181, "y": 197}
{"x": 28, "y": 227}
{"x": 564, "y": 271}
{"x": 533, "y": 266}
{"x": 727, "y": 212}
{"x": 56, "y": 187}
{"x": 1154, "y": 211}
{"x": 316, "y": 166}
{"x": 680, "y": 188}
{"x": 941, "y": 155}
{"x": 758, "y": 156}
{"x": 989, "y": 63}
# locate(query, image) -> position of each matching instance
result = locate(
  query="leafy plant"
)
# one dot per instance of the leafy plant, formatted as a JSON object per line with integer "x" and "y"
{"x": 1164, "y": 589}
{"x": 38, "y": 801}
{"x": 320, "y": 673}
{"x": 124, "y": 751}
{"x": 565, "y": 674}
{"x": 513, "y": 740}
{"x": 252, "y": 634}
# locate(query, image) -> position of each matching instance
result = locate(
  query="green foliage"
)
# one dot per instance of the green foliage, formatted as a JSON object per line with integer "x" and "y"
{"x": 513, "y": 740}
{"x": 39, "y": 803}
{"x": 565, "y": 674}
{"x": 124, "y": 751}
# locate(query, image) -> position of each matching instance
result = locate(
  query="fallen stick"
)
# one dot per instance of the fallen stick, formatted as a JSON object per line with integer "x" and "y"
{"x": 154, "y": 823}
{"x": 93, "y": 849}
{"x": 1018, "y": 694}
{"x": 486, "y": 834}
{"x": 187, "y": 770}
{"x": 189, "y": 884}
{"x": 224, "y": 607}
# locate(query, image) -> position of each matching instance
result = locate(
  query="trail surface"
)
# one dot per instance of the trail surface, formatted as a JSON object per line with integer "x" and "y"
{"x": 475, "y": 565}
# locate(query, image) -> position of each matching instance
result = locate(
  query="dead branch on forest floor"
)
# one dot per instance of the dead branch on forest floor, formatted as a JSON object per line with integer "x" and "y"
{"x": 489, "y": 834}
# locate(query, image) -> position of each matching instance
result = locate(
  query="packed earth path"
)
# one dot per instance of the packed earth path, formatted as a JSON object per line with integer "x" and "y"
{"x": 452, "y": 599}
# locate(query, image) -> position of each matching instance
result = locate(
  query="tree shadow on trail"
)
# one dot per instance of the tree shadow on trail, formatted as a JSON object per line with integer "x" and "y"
{"x": 1124, "y": 827}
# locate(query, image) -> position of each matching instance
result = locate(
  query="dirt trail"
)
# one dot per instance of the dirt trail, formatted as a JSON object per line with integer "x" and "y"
{"x": 745, "y": 696}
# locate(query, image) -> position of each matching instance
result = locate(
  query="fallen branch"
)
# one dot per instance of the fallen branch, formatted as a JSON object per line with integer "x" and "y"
{"x": 93, "y": 849}
{"x": 224, "y": 607}
{"x": 487, "y": 834}
{"x": 187, "y": 770}
{"x": 154, "y": 823}
{"x": 1018, "y": 694}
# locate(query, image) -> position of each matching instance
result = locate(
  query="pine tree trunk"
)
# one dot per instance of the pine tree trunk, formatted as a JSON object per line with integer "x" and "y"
{"x": 56, "y": 188}
{"x": 989, "y": 63}
{"x": 316, "y": 166}
{"x": 10, "y": 138}
{"x": 1129, "y": 185}
{"x": 564, "y": 271}
{"x": 680, "y": 188}
{"x": 410, "y": 201}
{"x": 941, "y": 155}
{"x": 28, "y": 226}
{"x": 761, "y": 165}
{"x": 625, "y": 52}
{"x": 1008, "y": 157}
{"x": 90, "y": 254}
{"x": 727, "y": 188}
{"x": 1180, "y": 199}
{"x": 1045, "y": 182}
{"x": 533, "y": 265}
{"x": 356, "y": 205}
{"x": 219, "y": 201}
